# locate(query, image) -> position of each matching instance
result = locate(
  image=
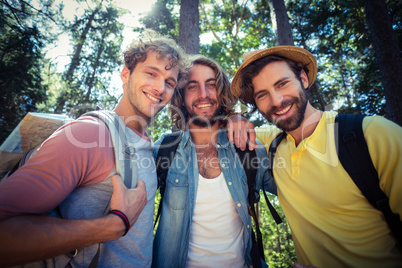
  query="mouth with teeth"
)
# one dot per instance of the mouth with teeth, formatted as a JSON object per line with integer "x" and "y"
{"x": 284, "y": 110}
{"x": 204, "y": 105}
{"x": 153, "y": 98}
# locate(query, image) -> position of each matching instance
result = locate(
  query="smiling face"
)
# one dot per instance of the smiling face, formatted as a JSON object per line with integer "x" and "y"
{"x": 200, "y": 96}
{"x": 149, "y": 87}
{"x": 280, "y": 96}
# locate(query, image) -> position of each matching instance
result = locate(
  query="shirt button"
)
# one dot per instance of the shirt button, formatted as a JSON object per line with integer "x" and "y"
{"x": 177, "y": 180}
{"x": 248, "y": 226}
{"x": 219, "y": 146}
{"x": 230, "y": 183}
{"x": 223, "y": 165}
{"x": 238, "y": 204}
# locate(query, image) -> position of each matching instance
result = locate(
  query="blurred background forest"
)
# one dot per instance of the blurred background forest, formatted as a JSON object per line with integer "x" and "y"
{"x": 357, "y": 44}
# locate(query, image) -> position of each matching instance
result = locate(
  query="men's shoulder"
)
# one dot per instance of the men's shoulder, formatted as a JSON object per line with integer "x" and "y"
{"x": 265, "y": 134}
{"x": 373, "y": 122}
{"x": 83, "y": 133}
{"x": 169, "y": 140}
{"x": 168, "y": 136}
{"x": 381, "y": 133}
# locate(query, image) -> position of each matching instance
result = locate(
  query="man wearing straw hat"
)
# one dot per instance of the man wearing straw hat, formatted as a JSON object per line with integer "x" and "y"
{"x": 333, "y": 224}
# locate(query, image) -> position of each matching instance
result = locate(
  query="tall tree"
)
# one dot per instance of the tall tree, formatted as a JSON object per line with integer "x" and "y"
{"x": 338, "y": 35}
{"x": 162, "y": 18}
{"x": 236, "y": 27}
{"x": 280, "y": 23}
{"x": 21, "y": 60}
{"x": 97, "y": 36}
{"x": 388, "y": 56}
{"x": 189, "y": 27}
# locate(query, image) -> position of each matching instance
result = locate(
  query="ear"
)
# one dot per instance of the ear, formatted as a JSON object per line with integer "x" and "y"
{"x": 125, "y": 74}
{"x": 304, "y": 78}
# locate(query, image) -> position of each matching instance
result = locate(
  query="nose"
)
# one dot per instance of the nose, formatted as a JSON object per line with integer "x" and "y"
{"x": 276, "y": 99}
{"x": 203, "y": 92}
{"x": 159, "y": 86}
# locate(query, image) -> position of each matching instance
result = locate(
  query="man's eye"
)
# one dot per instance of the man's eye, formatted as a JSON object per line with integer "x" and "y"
{"x": 212, "y": 85}
{"x": 191, "y": 87}
{"x": 171, "y": 85}
{"x": 262, "y": 95}
{"x": 283, "y": 83}
{"x": 151, "y": 73}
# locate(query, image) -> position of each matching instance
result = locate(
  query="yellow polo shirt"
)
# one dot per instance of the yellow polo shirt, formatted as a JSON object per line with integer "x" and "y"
{"x": 333, "y": 225}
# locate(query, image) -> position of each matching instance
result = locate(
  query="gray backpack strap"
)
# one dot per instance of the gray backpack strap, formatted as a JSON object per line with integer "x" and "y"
{"x": 126, "y": 164}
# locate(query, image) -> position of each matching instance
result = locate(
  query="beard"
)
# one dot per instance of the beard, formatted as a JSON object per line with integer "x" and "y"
{"x": 201, "y": 120}
{"x": 293, "y": 122}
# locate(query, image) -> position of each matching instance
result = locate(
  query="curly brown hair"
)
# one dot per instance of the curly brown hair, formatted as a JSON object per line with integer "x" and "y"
{"x": 226, "y": 99}
{"x": 164, "y": 46}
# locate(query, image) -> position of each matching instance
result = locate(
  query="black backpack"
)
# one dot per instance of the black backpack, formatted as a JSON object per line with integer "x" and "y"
{"x": 354, "y": 156}
{"x": 164, "y": 159}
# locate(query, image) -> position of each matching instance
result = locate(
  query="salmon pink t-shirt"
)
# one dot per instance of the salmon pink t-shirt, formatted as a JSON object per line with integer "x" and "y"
{"x": 79, "y": 153}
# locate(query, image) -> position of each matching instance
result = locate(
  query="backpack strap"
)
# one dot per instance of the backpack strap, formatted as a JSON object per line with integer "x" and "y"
{"x": 271, "y": 154}
{"x": 166, "y": 153}
{"x": 126, "y": 165}
{"x": 272, "y": 151}
{"x": 355, "y": 158}
{"x": 248, "y": 157}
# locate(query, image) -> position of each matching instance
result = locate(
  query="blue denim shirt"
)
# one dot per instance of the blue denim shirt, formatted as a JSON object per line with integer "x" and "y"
{"x": 171, "y": 241}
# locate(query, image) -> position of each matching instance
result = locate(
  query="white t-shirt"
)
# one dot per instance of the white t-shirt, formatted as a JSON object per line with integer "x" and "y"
{"x": 216, "y": 234}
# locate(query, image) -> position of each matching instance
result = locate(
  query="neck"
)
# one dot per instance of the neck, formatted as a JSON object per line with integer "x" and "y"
{"x": 204, "y": 135}
{"x": 311, "y": 119}
{"x": 131, "y": 117}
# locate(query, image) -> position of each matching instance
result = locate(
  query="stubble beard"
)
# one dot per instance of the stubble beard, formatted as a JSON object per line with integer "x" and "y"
{"x": 293, "y": 122}
{"x": 141, "y": 108}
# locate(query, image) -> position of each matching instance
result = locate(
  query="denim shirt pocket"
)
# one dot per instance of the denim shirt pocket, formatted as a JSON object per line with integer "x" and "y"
{"x": 176, "y": 193}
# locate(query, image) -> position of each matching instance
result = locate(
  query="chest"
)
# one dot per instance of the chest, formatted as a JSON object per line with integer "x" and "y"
{"x": 316, "y": 176}
{"x": 208, "y": 162}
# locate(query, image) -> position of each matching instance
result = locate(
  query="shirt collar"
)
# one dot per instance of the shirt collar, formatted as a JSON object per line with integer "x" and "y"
{"x": 222, "y": 142}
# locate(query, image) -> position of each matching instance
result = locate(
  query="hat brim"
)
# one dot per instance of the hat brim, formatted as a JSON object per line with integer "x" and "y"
{"x": 290, "y": 52}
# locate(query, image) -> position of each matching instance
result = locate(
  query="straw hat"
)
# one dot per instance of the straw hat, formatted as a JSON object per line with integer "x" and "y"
{"x": 290, "y": 52}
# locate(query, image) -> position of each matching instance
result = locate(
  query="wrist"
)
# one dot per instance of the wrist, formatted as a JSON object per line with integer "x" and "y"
{"x": 123, "y": 218}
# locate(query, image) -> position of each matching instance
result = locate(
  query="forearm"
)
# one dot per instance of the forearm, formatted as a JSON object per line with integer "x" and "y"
{"x": 31, "y": 238}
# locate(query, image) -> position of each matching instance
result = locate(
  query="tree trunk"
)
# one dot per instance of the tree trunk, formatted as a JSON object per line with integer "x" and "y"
{"x": 95, "y": 65}
{"x": 388, "y": 57}
{"x": 189, "y": 28}
{"x": 280, "y": 23}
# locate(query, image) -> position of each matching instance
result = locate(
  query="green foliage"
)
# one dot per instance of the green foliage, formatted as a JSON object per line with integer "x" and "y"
{"x": 163, "y": 18}
{"x": 160, "y": 124}
{"x": 96, "y": 37}
{"x": 236, "y": 27}
{"x": 277, "y": 239}
{"x": 21, "y": 45}
{"x": 337, "y": 34}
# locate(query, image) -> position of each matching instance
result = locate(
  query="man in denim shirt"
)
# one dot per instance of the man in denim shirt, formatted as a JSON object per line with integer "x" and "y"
{"x": 204, "y": 218}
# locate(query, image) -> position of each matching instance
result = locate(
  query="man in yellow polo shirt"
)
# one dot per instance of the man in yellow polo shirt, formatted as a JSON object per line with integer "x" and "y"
{"x": 333, "y": 224}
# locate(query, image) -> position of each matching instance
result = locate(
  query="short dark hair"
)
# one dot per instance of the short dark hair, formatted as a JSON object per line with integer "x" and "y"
{"x": 255, "y": 68}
